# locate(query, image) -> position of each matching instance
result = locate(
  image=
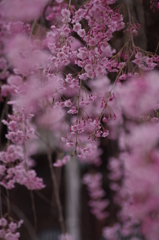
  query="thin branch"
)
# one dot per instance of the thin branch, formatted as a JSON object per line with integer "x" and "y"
{"x": 69, "y": 5}
{"x": 33, "y": 27}
{"x": 5, "y": 108}
{"x": 1, "y": 213}
{"x": 4, "y": 70}
{"x": 21, "y": 215}
{"x": 54, "y": 181}
{"x": 34, "y": 211}
{"x": 157, "y": 48}
{"x": 132, "y": 39}
{"x": 43, "y": 197}
{"x": 8, "y": 203}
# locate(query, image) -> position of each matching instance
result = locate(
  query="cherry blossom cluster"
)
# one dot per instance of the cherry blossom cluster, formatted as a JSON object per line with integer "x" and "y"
{"x": 90, "y": 153}
{"x": 154, "y": 5}
{"x": 132, "y": 26}
{"x": 146, "y": 63}
{"x": 115, "y": 173}
{"x": 22, "y": 10}
{"x": 122, "y": 231}
{"x": 12, "y": 153}
{"x": 139, "y": 195}
{"x": 19, "y": 127}
{"x": 59, "y": 41}
{"x": 15, "y": 161}
{"x": 13, "y": 169}
{"x": 111, "y": 233}
{"x": 65, "y": 236}
{"x": 145, "y": 89}
{"x": 54, "y": 13}
{"x": 58, "y": 80}
{"x": 127, "y": 226}
{"x": 128, "y": 175}
{"x": 97, "y": 203}
{"x": 141, "y": 163}
{"x": 94, "y": 59}
{"x": 61, "y": 162}
{"x": 22, "y": 176}
{"x": 8, "y": 229}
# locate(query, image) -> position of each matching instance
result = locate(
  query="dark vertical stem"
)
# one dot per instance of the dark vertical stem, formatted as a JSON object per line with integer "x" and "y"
{"x": 33, "y": 208}
{"x": 8, "y": 203}
{"x": 0, "y": 204}
{"x": 4, "y": 111}
{"x": 57, "y": 197}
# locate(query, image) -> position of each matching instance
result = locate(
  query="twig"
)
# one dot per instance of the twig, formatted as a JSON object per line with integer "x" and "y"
{"x": 5, "y": 108}
{"x": 8, "y": 203}
{"x": 4, "y": 70}
{"x": 1, "y": 213}
{"x": 130, "y": 23}
{"x": 33, "y": 27}
{"x": 21, "y": 215}
{"x": 57, "y": 198}
{"x": 69, "y": 5}
{"x": 43, "y": 197}
{"x": 157, "y": 48}
{"x": 34, "y": 211}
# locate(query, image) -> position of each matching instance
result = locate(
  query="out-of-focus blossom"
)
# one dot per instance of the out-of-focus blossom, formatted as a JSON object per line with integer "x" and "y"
{"x": 25, "y": 10}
